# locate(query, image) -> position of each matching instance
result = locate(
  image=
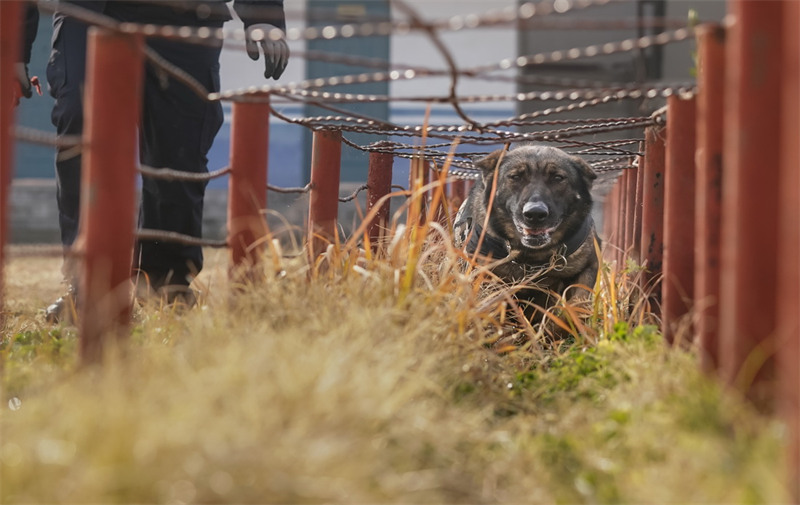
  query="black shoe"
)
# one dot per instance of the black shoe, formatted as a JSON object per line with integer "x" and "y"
{"x": 63, "y": 310}
{"x": 178, "y": 296}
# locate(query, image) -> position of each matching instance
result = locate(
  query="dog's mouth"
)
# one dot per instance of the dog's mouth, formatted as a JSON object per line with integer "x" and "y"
{"x": 537, "y": 237}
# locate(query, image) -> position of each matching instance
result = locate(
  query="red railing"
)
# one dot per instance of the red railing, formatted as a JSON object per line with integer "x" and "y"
{"x": 678, "y": 263}
{"x": 710, "y": 106}
{"x": 10, "y": 35}
{"x": 323, "y": 209}
{"x": 114, "y": 73}
{"x": 788, "y": 315}
{"x": 379, "y": 184}
{"x": 652, "y": 248}
{"x": 247, "y": 188}
{"x": 720, "y": 226}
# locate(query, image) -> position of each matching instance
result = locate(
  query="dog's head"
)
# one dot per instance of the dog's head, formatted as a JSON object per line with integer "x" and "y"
{"x": 542, "y": 194}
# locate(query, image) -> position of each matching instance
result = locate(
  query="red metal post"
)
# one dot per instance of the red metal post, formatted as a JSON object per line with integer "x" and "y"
{"x": 10, "y": 24}
{"x": 418, "y": 177}
{"x": 789, "y": 248}
{"x": 616, "y": 209}
{"x": 622, "y": 182}
{"x": 458, "y": 193}
{"x": 708, "y": 180}
{"x": 652, "y": 248}
{"x": 247, "y": 188}
{"x": 630, "y": 212}
{"x": 677, "y": 287}
{"x": 610, "y": 219}
{"x": 606, "y": 214}
{"x": 108, "y": 187}
{"x": 379, "y": 184}
{"x": 613, "y": 221}
{"x": 425, "y": 170}
{"x": 750, "y": 196}
{"x": 637, "y": 209}
{"x": 324, "y": 196}
{"x": 434, "y": 174}
{"x": 619, "y": 218}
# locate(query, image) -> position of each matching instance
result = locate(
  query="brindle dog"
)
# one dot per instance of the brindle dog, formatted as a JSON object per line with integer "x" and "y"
{"x": 540, "y": 226}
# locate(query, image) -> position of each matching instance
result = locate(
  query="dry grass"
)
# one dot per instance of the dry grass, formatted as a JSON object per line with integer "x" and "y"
{"x": 370, "y": 379}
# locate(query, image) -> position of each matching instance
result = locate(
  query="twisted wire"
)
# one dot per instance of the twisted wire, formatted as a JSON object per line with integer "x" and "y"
{"x": 147, "y": 235}
{"x": 34, "y": 136}
{"x": 610, "y": 156}
{"x": 170, "y": 174}
{"x": 277, "y": 189}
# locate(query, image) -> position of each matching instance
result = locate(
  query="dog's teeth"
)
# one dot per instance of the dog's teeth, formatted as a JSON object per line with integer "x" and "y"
{"x": 531, "y": 231}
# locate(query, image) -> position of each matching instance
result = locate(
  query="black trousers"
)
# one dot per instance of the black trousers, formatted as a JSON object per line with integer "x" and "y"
{"x": 176, "y": 131}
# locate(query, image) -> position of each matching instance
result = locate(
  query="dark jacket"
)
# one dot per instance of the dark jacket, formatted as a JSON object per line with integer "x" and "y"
{"x": 212, "y": 13}
{"x": 205, "y": 12}
{"x": 30, "y": 25}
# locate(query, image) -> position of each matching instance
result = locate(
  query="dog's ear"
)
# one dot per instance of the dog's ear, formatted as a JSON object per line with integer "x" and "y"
{"x": 585, "y": 170}
{"x": 489, "y": 164}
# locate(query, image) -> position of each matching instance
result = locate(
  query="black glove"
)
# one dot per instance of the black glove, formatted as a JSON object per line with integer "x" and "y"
{"x": 273, "y": 44}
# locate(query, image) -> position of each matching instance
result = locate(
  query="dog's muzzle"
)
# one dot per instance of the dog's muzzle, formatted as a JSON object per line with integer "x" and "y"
{"x": 535, "y": 225}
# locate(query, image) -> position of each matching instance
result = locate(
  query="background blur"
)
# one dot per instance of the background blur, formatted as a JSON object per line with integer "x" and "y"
{"x": 33, "y": 212}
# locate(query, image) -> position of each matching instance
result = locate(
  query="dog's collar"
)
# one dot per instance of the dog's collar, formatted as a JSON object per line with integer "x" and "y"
{"x": 574, "y": 241}
{"x": 492, "y": 246}
{"x": 498, "y": 248}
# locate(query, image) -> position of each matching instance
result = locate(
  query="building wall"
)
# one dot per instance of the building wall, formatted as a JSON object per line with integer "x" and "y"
{"x": 671, "y": 63}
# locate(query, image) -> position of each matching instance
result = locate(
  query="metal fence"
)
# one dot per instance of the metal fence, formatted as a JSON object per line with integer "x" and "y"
{"x": 703, "y": 192}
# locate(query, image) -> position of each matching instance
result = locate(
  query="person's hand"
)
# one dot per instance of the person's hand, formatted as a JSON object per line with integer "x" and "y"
{"x": 23, "y": 79}
{"x": 273, "y": 44}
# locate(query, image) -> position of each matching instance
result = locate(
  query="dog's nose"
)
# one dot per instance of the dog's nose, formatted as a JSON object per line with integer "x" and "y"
{"x": 535, "y": 211}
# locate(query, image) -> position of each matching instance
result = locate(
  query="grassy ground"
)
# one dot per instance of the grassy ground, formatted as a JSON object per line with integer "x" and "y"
{"x": 391, "y": 380}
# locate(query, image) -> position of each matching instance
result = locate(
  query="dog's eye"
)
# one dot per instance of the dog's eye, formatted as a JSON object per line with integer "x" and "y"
{"x": 514, "y": 176}
{"x": 557, "y": 177}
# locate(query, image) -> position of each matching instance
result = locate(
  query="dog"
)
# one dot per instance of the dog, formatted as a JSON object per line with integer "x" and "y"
{"x": 530, "y": 214}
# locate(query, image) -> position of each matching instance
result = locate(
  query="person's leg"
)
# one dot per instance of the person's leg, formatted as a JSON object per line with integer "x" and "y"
{"x": 65, "y": 76}
{"x": 178, "y": 128}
